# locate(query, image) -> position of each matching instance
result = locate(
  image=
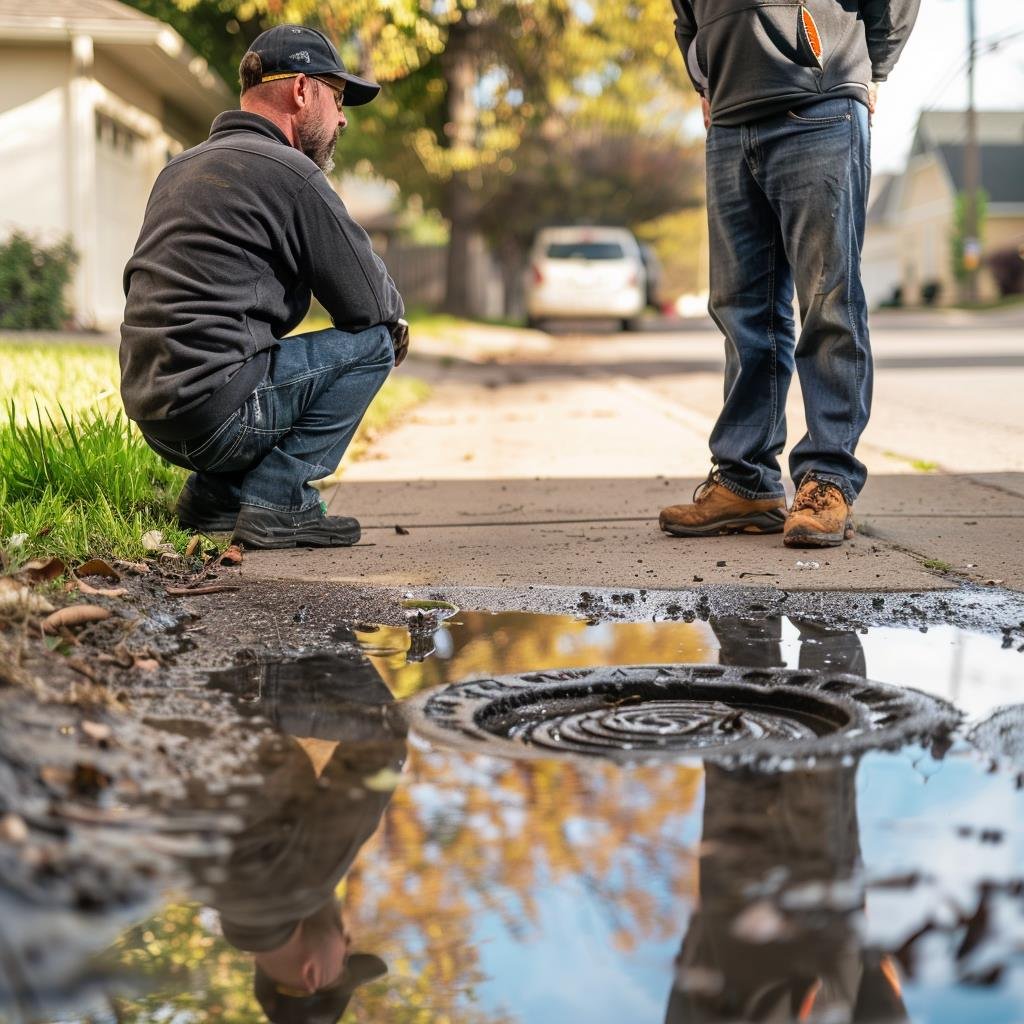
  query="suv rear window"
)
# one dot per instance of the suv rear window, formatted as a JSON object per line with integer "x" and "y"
{"x": 585, "y": 251}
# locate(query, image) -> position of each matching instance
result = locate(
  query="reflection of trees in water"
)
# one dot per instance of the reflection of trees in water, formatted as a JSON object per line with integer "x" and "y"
{"x": 518, "y": 828}
{"x": 203, "y": 975}
{"x": 484, "y": 644}
{"x": 417, "y": 887}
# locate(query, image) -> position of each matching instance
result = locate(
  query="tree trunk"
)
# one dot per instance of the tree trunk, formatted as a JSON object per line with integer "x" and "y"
{"x": 459, "y": 202}
{"x": 513, "y": 261}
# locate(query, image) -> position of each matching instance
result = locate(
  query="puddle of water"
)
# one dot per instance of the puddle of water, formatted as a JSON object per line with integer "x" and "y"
{"x": 889, "y": 888}
{"x": 974, "y": 671}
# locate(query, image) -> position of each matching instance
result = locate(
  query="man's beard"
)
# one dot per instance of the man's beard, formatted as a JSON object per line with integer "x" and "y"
{"x": 317, "y": 141}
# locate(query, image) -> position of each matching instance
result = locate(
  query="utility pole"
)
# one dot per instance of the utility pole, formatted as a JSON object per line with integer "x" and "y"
{"x": 972, "y": 167}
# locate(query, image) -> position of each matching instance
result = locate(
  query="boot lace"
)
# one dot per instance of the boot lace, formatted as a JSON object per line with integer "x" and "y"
{"x": 816, "y": 495}
{"x": 704, "y": 487}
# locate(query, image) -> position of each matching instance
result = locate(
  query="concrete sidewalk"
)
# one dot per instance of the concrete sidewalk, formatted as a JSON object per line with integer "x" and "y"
{"x": 549, "y": 469}
{"x": 604, "y": 533}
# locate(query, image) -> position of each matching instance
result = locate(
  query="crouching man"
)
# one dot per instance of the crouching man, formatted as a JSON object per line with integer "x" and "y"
{"x": 239, "y": 233}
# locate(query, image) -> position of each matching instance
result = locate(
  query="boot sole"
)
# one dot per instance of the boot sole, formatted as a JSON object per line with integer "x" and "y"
{"x": 761, "y": 522}
{"x": 299, "y": 538}
{"x": 812, "y": 539}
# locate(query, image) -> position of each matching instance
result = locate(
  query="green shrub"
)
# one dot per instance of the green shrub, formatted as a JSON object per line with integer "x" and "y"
{"x": 33, "y": 278}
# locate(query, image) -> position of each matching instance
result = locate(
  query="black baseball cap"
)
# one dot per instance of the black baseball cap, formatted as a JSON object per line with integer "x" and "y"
{"x": 289, "y": 50}
{"x": 324, "y": 1007}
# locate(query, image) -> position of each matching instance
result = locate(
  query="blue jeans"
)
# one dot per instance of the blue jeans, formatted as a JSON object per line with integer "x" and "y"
{"x": 787, "y": 198}
{"x": 293, "y": 428}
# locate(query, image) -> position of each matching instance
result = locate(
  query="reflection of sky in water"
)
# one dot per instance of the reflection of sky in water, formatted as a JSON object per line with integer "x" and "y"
{"x": 567, "y": 966}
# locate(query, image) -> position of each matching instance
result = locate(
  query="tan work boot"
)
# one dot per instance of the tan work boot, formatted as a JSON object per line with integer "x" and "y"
{"x": 717, "y": 510}
{"x": 819, "y": 517}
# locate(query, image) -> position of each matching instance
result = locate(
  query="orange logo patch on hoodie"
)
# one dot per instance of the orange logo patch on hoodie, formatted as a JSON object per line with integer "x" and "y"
{"x": 811, "y": 32}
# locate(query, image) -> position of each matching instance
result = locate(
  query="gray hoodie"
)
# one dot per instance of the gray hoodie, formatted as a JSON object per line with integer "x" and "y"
{"x": 756, "y": 58}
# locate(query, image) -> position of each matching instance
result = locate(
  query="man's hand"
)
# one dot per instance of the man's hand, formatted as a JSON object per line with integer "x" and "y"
{"x": 400, "y": 340}
{"x": 705, "y": 106}
{"x": 872, "y": 100}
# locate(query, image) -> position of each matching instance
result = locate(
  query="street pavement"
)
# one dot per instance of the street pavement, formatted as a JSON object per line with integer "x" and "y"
{"x": 543, "y": 459}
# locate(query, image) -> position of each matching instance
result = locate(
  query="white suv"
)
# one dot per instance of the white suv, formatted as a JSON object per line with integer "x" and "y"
{"x": 584, "y": 272}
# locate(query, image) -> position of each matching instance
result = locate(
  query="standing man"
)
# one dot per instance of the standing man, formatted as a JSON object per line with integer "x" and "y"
{"x": 239, "y": 233}
{"x": 787, "y": 89}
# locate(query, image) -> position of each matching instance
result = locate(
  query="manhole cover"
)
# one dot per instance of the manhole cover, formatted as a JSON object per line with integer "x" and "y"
{"x": 653, "y": 712}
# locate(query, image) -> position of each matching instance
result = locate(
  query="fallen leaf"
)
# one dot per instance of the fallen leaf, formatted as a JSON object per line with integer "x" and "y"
{"x": 88, "y": 781}
{"x": 42, "y": 570}
{"x": 146, "y": 664}
{"x": 82, "y": 667}
{"x": 213, "y": 588}
{"x": 14, "y": 595}
{"x": 139, "y": 568}
{"x": 152, "y": 540}
{"x": 401, "y": 531}
{"x": 97, "y": 567}
{"x": 85, "y": 588}
{"x": 232, "y": 555}
{"x": 98, "y": 731}
{"x": 74, "y": 615}
{"x": 192, "y": 546}
{"x": 120, "y": 656}
{"x": 13, "y": 830}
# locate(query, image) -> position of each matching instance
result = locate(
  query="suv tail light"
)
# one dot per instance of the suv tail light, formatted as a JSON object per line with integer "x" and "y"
{"x": 538, "y": 277}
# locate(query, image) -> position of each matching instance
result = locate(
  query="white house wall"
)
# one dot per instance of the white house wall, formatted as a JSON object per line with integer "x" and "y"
{"x": 33, "y": 141}
{"x": 131, "y": 148}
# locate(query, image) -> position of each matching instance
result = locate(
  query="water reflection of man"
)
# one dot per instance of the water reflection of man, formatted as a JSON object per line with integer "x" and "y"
{"x": 775, "y": 936}
{"x": 328, "y": 778}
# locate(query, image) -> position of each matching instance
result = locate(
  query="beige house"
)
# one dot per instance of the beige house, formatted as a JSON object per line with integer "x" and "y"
{"x": 94, "y": 99}
{"x": 911, "y": 217}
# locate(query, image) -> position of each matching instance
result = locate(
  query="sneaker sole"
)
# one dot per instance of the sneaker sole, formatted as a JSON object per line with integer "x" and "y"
{"x": 762, "y": 522}
{"x": 219, "y": 526}
{"x": 273, "y": 539}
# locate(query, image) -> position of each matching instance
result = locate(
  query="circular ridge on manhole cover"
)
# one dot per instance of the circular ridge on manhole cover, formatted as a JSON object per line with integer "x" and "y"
{"x": 669, "y": 712}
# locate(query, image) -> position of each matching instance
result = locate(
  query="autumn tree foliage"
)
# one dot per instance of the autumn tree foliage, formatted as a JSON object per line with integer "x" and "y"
{"x": 503, "y": 114}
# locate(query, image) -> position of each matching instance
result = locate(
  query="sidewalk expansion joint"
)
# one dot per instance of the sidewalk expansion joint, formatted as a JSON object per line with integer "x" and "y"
{"x": 861, "y": 516}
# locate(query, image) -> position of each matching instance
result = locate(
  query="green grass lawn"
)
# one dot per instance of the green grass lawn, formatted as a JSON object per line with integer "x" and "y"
{"x": 76, "y": 478}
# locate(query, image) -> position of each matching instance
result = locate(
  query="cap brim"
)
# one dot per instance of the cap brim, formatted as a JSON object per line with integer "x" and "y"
{"x": 362, "y": 968}
{"x": 357, "y": 90}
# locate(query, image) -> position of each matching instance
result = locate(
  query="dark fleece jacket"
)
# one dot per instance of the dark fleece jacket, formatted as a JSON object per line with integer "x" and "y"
{"x": 756, "y": 58}
{"x": 238, "y": 233}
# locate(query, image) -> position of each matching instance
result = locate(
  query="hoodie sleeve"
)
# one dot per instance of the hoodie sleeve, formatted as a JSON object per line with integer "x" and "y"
{"x": 686, "y": 36}
{"x": 347, "y": 277}
{"x": 888, "y": 24}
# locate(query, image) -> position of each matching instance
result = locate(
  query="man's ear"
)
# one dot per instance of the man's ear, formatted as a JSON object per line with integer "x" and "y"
{"x": 302, "y": 91}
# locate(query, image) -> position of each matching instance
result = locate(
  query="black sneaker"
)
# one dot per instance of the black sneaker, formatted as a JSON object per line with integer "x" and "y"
{"x": 264, "y": 528}
{"x": 203, "y": 515}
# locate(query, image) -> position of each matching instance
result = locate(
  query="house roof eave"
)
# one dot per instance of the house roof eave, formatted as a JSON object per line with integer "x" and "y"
{"x": 178, "y": 72}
